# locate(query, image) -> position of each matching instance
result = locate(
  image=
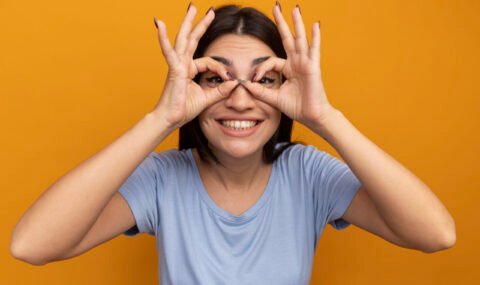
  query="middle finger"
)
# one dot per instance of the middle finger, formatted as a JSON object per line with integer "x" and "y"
{"x": 198, "y": 32}
{"x": 181, "y": 38}
{"x": 284, "y": 30}
{"x": 301, "y": 43}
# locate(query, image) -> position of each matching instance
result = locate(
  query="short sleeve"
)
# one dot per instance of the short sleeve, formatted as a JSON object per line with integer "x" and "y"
{"x": 140, "y": 193}
{"x": 334, "y": 185}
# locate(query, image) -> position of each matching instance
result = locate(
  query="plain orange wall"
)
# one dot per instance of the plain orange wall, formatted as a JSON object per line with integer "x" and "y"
{"x": 76, "y": 75}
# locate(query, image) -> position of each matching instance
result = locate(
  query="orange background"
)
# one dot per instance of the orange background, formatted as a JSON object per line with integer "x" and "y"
{"x": 76, "y": 75}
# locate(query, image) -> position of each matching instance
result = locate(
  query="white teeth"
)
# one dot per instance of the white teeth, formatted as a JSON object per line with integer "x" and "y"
{"x": 239, "y": 125}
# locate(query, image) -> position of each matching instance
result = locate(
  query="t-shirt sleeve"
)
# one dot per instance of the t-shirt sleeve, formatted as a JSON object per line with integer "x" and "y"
{"x": 334, "y": 185}
{"x": 140, "y": 193}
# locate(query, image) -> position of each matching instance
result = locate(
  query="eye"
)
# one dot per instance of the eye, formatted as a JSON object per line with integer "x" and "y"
{"x": 266, "y": 80}
{"x": 212, "y": 81}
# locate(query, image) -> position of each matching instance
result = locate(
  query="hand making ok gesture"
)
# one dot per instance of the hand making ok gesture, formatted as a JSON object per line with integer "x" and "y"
{"x": 182, "y": 98}
{"x": 302, "y": 96}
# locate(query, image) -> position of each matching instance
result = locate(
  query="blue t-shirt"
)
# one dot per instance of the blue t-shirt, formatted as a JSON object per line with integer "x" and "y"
{"x": 273, "y": 242}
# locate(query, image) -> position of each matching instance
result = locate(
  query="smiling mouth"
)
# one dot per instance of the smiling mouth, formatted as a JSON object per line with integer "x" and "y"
{"x": 239, "y": 125}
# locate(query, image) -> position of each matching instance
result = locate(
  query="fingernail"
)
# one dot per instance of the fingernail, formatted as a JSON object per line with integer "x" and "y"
{"x": 279, "y": 7}
{"x": 254, "y": 77}
{"x": 298, "y": 7}
{"x": 211, "y": 8}
{"x": 229, "y": 75}
{"x": 241, "y": 81}
{"x": 189, "y": 6}
{"x": 319, "y": 23}
{"x": 155, "y": 21}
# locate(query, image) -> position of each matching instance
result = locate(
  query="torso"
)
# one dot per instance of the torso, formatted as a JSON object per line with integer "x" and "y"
{"x": 234, "y": 203}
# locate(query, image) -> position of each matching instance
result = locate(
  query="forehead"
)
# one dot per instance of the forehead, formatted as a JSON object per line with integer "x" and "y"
{"x": 238, "y": 48}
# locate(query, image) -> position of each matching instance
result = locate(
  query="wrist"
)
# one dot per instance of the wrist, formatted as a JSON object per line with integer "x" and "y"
{"x": 325, "y": 126}
{"x": 324, "y": 117}
{"x": 160, "y": 123}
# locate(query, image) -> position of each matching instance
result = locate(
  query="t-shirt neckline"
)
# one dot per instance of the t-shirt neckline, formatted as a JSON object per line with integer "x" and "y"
{"x": 245, "y": 216}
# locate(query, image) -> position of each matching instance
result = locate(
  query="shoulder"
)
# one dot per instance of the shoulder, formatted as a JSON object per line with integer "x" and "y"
{"x": 171, "y": 159}
{"x": 171, "y": 155}
{"x": 301, "y": 153}
{"x": 307, "y": 160}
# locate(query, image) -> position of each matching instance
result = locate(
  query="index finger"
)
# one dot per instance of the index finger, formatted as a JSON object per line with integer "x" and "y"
{"x": 198, "y": 31}
{"x": 287, "y": 38}
{"x": 180, "y": 39}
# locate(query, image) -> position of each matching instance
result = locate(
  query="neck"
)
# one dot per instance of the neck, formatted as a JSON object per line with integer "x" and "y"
{"x": 236, "y": 175}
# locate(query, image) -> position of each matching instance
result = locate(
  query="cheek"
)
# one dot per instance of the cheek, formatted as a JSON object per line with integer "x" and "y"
{"x": 203, "y": 125}
{"x": 206, "y": 125}
{"x": 278, "y": 117}
{"x": 275, "y": 114}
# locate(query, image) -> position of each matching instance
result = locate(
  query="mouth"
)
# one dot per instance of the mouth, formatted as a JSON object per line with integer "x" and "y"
{"x": 239, "y": 124}
{"x": 239, "y": 128}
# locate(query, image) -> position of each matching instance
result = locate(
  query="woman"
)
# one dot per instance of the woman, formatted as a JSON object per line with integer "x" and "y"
{"x": 238, "y": 203}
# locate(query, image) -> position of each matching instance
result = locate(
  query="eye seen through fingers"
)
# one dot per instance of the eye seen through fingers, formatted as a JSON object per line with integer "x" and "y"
{"x": 213, "y": 80}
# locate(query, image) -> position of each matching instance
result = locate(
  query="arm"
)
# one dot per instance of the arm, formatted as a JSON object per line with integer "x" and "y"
{"x": 59, "y": 224}
{"x": 409, "y": 214}
{"x": 68, "y": 209}
{"x": 392, "y": 200}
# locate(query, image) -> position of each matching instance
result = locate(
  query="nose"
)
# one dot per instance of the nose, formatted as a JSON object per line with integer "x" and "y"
{"x": 240, "y": 99}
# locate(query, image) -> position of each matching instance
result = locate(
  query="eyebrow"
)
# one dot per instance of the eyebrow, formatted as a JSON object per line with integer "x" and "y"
{"x": 229, "y": 63}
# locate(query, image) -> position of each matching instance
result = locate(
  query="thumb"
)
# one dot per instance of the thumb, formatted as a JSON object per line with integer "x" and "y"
{"x": 259, "y": 91}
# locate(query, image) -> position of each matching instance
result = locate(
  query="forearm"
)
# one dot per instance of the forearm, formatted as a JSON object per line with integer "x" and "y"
{"x": 407, "y": 205}
{"x": 64, "y": 213}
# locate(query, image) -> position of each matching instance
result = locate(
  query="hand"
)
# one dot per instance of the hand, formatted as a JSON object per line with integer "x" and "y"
{"x": 182, "y": 99}
{"x": 302, "y": 96}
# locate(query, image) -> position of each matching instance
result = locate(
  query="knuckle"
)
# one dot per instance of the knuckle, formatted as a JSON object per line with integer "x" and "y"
{"x": 190, "y": 39}
{"x": 193, "y": 39}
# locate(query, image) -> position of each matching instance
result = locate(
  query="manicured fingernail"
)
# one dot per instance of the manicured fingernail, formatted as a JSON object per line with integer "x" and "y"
{"x": 254, "y": 77}
{"x": 319, "y": 23}
{"x": 189, "y": 6}
{"x": 155, "y": 21}
{"x": 241, "y": 81}
{"x": 229, "y": 75}
{"x": 279, "y": 7}
{"x": 298, "y": 7}
{"x": 211, "y": 8}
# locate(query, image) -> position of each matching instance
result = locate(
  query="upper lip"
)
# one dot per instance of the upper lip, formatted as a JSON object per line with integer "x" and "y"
{"x": 235, "y": 118}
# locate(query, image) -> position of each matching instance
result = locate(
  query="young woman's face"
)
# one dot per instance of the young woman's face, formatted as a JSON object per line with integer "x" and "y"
{"x": 239, "y": 125}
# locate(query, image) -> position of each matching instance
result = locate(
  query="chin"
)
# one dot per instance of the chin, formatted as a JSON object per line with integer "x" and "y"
{"x": 238, "y": 149}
